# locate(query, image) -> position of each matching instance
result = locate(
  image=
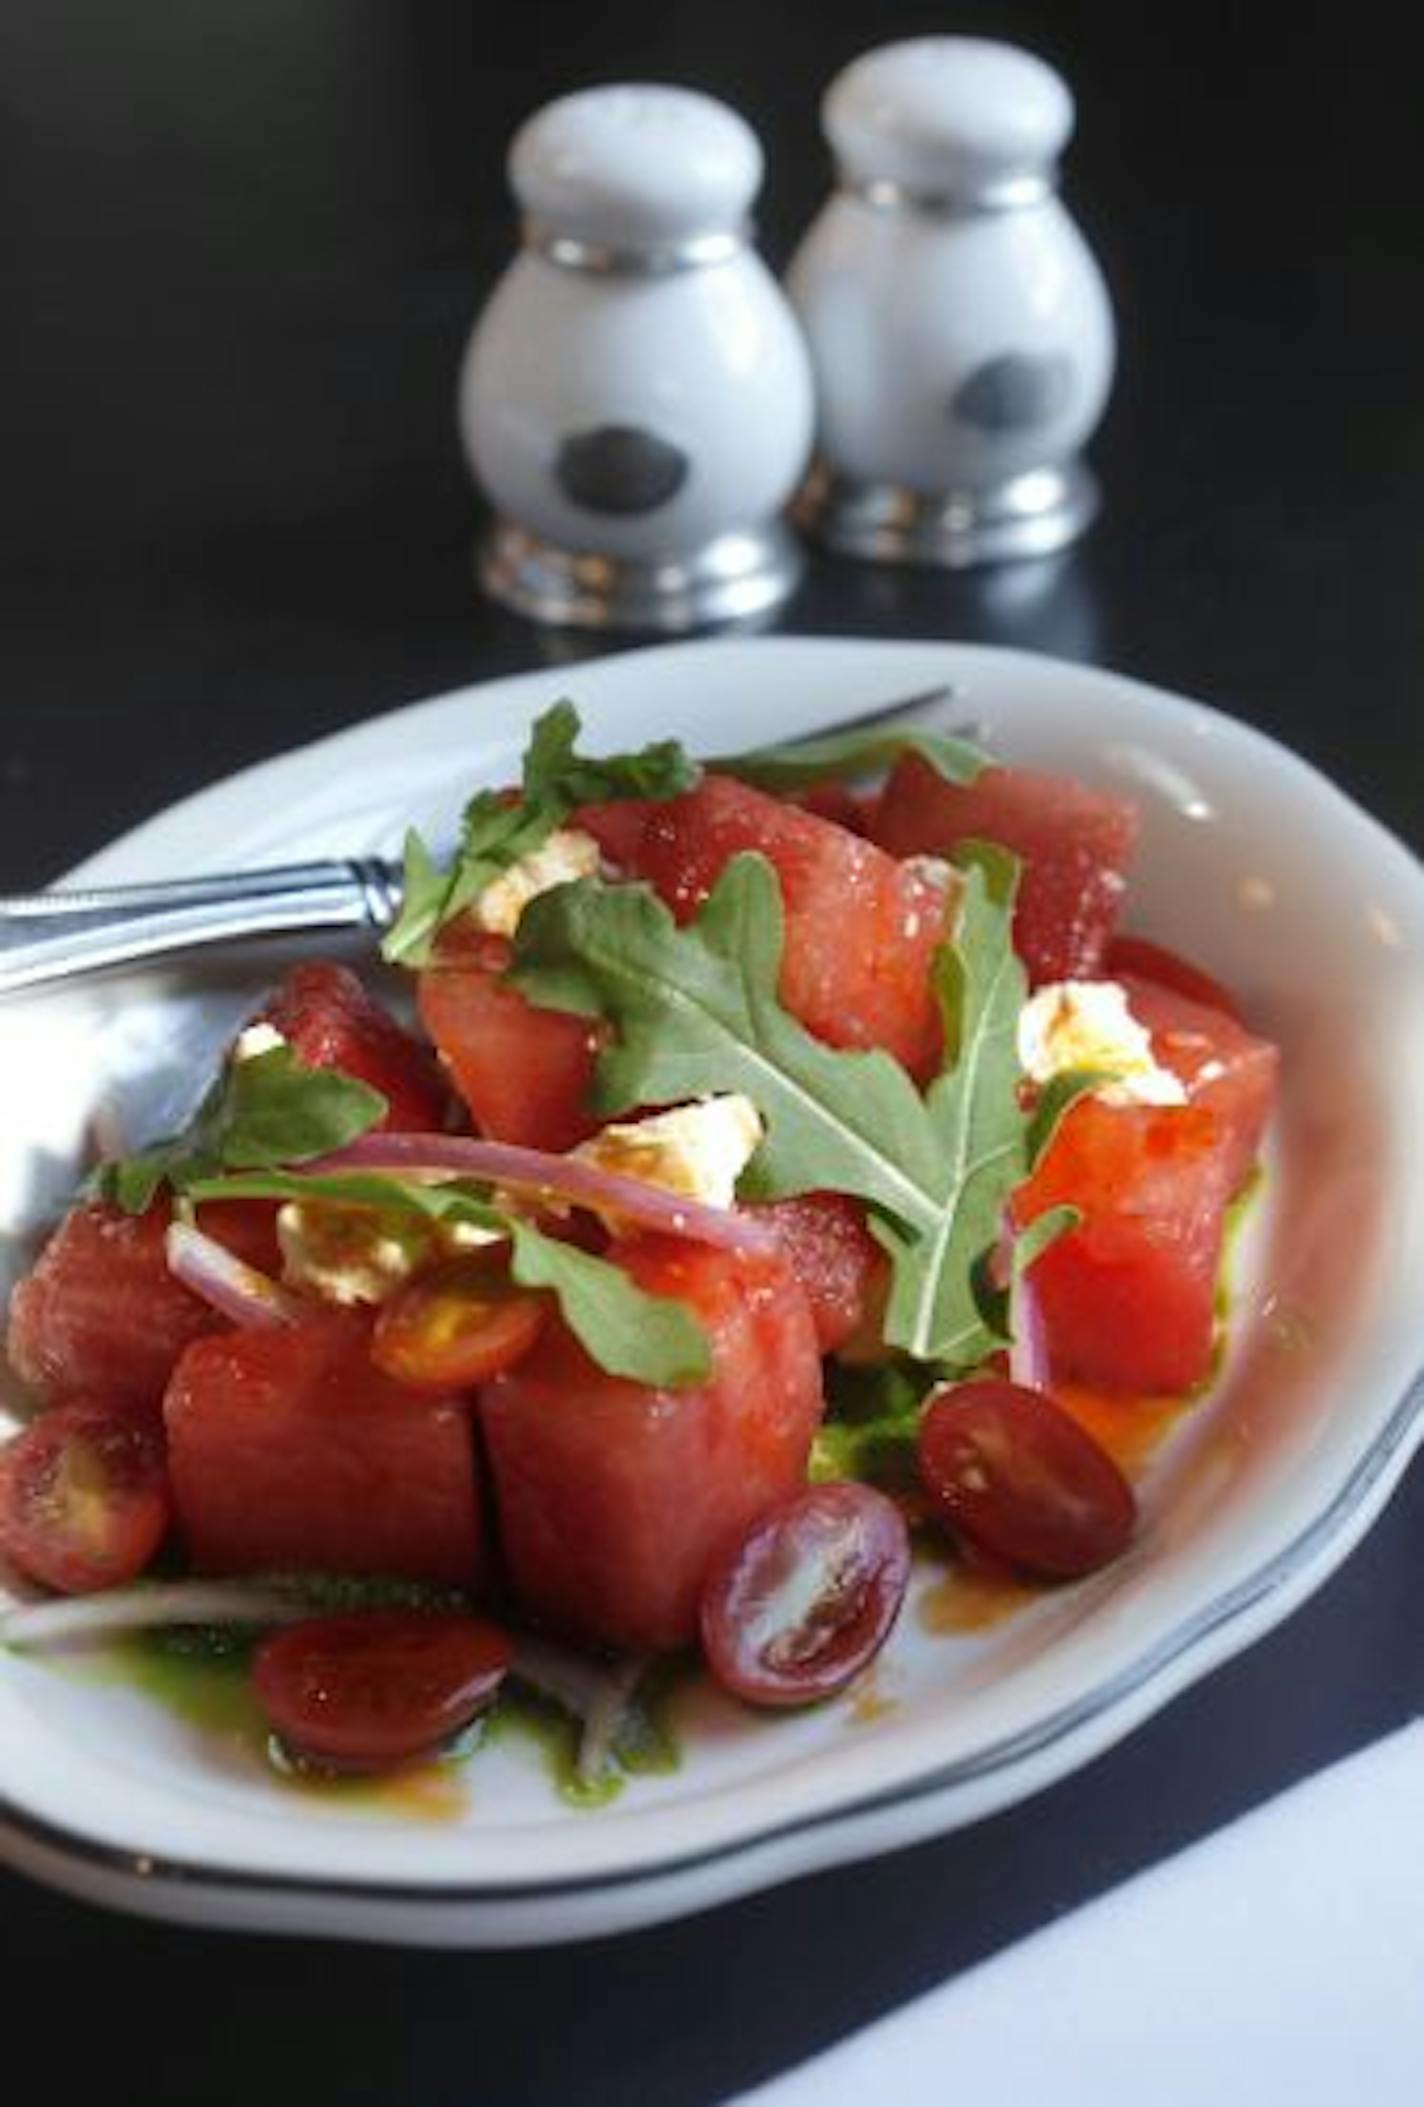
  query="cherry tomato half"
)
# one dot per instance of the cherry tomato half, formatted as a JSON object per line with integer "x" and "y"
{"x": 378, "y": 1688}
{"x": 1019, "y": 1478}
{"x": 460, "y": 1322}
{"x": 84, "y": 1500}
{"x": 808, "y": 1595}
{"x": 1154, "y": 962}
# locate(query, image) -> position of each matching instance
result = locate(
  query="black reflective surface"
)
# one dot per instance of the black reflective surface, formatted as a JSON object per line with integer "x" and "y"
{"x": 240, "y": 245}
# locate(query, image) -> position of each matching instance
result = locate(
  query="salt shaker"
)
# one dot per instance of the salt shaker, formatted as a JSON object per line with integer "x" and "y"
{"x": 959, "y": 326}
{"x": 636, "y": 398}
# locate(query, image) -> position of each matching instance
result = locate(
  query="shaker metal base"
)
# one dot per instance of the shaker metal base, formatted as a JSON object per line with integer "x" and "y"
{"x": 732, "y": 579}
{"x": 1032, "y": 515}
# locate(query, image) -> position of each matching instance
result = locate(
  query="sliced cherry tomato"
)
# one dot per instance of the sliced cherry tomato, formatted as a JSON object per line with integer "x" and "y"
{"x": 1017, "y": 1477}
{"x": 84, "y": 1498}
{"x": 378, "y": 1688}
{"x": 457, "y": 1323}
{"x": 807, "y": 1596}
{"x": 1167, "y": 969}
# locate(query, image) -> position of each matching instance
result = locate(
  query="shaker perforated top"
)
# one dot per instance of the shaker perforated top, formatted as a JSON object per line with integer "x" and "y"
{"x": 636, "y": 166}
{"x": 962, "y": 119}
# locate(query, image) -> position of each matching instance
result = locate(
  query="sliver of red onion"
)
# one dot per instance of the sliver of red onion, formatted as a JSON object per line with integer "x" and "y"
{"x": 235, "y": 1289}
{"x": 1028, "y": 1352}
{"x": 558, "y": 1177}
{"x": 1028, "y": 1345}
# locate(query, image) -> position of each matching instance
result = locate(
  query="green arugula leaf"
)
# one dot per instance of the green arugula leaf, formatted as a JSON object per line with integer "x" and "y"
{"x": 842, "y": 755}
{"x": 871, "y": 1425}
{"x": 553, "y": 771}
{"x": 695, "y": 1011}
{"x": 649, "y": 1338}
{"x": 1056, "y": 1097}
{"x": 498, "y": 831}
{"x": 268, "y": 1109}
{"x": 979, "y": 1124}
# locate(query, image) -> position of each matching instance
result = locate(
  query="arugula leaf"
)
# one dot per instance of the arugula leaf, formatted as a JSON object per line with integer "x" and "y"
{"x": 649, "y": 1338}
{"x": 871, "y": 1424}
{"x": 695, "y": 1011}
{"x": 553, "y": 771}
{"x": 498, "y": 831}
{"x": 625, "y": 1329}
{"x": 270, "y": 1108}
{"x": 979, "y": 1124}
{"x": 855, "y": 753}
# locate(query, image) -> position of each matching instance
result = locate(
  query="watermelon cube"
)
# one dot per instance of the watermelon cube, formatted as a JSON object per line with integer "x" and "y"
{"x": 1076, "y": 844}
{"x": 288, "y": 1450}
{"x": 615, "y": 1499}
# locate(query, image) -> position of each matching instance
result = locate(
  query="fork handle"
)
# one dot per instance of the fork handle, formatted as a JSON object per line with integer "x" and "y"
{"x": 50, "y": 936}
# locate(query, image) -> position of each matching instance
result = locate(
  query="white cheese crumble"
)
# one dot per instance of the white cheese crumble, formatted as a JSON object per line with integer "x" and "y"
{"x": 943, "y": 877}
{"x": 934, "y": 870}
{"x": 1087, "y": 1024}
{"x": 697, "y": 1151}
{"x": 568, "y": 853}
{"x": 256, "y": 1039}
{"x": 348, "y": 1255}
{"x": 355, "y": 1255}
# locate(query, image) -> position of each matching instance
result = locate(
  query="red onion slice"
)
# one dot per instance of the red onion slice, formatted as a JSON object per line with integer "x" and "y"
{"x": 569, "y": 1178}
{"x": 237, "y": 1290}
{"x": 148, "y": 1607}
{"x": 1028, "y": 1344}
{"x": 604, "y": 1718}
{"x": 1028, "y": 1350}
{"x": 597, "y": 1694}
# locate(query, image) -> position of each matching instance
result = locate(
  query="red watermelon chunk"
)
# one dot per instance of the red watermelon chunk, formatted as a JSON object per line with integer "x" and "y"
{"x": 1076, "y": 845}
{"x": 617, "y": 827}
{"x": 330, "y": 1021}
{"x": 289, "y": 1450}
{"x": 523, "y": 1072}
{"x": 1222, "y": 1065}
{"x": 100, "y": 1312}
{"x": 861, "y": 929}
{"x": 832, "y": 1254}
{"x": 1140, "y": 958}
{"x": 1129, "y": 1297}
{"x": 614, "y": 1499}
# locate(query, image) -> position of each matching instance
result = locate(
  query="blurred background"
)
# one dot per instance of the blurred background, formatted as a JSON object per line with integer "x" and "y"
{"x": 242, "y": 242}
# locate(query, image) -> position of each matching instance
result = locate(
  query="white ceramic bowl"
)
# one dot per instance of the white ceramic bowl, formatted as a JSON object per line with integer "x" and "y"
{"x": 1252, "y": 862}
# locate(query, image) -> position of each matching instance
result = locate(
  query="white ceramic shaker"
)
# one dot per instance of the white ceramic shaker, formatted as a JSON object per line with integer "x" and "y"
{"x": 636, "y": 399}
{"x": 959, "y": 326}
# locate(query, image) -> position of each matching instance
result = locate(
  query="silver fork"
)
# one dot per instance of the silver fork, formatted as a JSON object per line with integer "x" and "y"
{"x": 59, "y": 935}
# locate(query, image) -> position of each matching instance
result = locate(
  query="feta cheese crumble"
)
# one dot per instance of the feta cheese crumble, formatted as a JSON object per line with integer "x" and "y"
{"x": 569, "y": 853}
{"x": 1075, "y": 1024}
{"x": 698, "y": 1151}
{"x": 256, "y": 1039}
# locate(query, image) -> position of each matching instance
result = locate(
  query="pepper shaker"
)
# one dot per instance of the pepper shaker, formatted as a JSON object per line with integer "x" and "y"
{"x": 636, "y": 398}
{"x": 960, "y": 329}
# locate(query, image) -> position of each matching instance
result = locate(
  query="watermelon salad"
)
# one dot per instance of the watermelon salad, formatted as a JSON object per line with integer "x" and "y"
{"x": 783, "y": 1144}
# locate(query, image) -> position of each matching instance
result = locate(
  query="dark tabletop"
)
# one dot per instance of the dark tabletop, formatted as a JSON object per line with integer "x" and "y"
{"x": 241, "y": 242}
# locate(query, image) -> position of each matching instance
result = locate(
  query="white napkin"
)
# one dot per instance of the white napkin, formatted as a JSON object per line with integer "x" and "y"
{"x": 1281, "y": 1960}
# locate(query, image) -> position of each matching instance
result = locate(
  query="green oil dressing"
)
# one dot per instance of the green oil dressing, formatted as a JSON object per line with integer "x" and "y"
{"x": 646, "y": 1743}
{"x": 203, "y": 1677}
{"x": 1237, "y": 1213}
